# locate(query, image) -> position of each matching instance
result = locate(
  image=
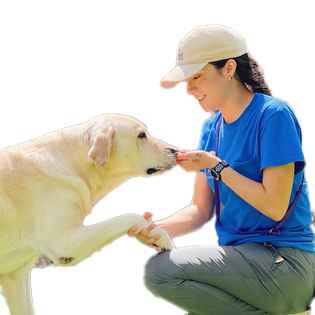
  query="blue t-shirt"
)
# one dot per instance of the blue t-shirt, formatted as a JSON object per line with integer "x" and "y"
{"x": 266, "y": 134}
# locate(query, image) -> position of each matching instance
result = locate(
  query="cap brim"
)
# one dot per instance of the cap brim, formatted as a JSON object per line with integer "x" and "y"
{"x": 180, "y": 73}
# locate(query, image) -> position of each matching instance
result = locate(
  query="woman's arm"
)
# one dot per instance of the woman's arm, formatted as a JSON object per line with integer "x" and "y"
{"x": 194, "y": 215}
{"x": 271, "y": 197}
{"x": 185, "y": 220}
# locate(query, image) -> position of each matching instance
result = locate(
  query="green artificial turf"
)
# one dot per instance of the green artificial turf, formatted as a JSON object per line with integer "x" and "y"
{"x": 93, "y": 291}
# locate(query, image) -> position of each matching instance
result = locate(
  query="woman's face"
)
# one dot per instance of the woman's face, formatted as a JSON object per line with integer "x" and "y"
{"x": 209, "y": 86}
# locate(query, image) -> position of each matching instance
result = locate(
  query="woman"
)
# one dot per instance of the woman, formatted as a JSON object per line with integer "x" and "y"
{"x": 251, "y": 166}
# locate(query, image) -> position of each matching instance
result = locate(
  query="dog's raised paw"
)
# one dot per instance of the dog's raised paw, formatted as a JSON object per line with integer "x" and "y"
{"x": 65, "y": 260}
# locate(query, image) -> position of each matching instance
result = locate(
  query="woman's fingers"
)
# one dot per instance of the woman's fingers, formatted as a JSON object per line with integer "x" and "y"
{"x": 156, "y": 247}
{"x": 143, "y": 235}
{"x": 148, "y": 216}
{"x": 182, "y": 156}
{"x": 132, "y": 231}
{"x": 146, "y": 231}
{"x": 152, "y": 240}
{"x": 149, "y": 239}
{"x": 181, "y": 159}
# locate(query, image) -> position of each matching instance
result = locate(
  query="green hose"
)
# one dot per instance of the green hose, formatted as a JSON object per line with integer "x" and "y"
{"x": 34, "y": 111}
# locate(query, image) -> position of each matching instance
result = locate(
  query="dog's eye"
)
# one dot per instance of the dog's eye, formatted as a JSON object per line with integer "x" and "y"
{"x": 142, "y": 135}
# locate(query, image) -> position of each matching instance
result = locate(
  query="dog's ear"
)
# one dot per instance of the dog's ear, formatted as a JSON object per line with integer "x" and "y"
{"x": 101, "y": 144}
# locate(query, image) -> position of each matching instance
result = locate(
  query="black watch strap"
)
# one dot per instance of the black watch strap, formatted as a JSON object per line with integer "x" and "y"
{"x": 216, "y": 171}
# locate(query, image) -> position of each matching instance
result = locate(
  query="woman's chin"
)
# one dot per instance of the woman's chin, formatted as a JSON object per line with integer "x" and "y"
{"x": 206, "y": 107}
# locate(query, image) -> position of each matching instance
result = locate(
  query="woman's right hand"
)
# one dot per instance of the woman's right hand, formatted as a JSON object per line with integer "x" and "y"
{"x": 143, "y": 235}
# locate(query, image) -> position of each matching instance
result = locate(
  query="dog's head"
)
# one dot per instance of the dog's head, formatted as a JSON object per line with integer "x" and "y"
{"x": 120, "y": 143}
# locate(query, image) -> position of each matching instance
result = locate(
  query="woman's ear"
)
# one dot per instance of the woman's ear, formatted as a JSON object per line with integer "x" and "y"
{"x": 101, "y": 144}
{"x": 230, "y": 68}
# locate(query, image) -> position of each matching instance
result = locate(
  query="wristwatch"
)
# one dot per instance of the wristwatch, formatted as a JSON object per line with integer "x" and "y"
{"x": 216, "y": 171}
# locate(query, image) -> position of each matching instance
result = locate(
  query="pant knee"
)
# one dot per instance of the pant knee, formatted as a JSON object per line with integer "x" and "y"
{"x": 156, "y": 277}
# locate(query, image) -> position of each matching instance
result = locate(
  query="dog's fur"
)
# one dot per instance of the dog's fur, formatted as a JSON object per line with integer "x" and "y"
{"x": 50, "y": 184}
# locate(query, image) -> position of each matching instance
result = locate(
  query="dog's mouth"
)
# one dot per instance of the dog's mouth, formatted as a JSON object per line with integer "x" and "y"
{"x": 153, "y": 170}
{"x": 167, "y": 164}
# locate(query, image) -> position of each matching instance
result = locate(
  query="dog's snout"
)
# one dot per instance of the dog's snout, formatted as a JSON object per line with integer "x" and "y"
{"x": 172, "y": 151}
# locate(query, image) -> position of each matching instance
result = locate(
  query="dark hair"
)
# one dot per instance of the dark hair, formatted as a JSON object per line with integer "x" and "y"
{"x": 248, "y": 72}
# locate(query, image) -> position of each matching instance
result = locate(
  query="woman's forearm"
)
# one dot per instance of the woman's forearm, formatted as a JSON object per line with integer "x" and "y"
{"x": 271, "y": 197}
{"x": 272, "y": 202}
{"x": 183, "y": 221}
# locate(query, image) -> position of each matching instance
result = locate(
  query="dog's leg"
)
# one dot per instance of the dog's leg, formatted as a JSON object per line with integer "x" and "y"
{"x": 86, "y": 240}
{"x": 17, "y": 291}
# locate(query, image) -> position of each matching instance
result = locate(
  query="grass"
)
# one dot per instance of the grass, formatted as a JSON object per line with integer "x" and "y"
{"x": 94, "y": 291}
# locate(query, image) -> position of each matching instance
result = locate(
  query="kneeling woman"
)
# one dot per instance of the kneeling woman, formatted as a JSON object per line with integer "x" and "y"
{"x": 250, "y": 168}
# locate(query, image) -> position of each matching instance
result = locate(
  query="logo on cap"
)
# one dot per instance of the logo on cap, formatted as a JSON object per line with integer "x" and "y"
{"x": 180, "y": 55}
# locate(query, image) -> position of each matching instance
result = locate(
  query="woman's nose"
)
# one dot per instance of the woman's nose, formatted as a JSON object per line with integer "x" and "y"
{"x": 190, "y": 87}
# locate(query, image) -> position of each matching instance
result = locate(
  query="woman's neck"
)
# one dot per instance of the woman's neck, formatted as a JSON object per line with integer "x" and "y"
{"x": 235, "y": 104}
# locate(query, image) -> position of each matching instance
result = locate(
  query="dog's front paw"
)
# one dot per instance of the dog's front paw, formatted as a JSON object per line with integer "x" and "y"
{"x": 165, "y": 242}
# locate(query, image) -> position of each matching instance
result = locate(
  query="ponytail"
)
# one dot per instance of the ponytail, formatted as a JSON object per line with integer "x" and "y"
{"x": 248, "y": 72}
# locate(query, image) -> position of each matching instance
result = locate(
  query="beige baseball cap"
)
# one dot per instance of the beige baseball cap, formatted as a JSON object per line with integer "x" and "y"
{"x": 204, "y": 44}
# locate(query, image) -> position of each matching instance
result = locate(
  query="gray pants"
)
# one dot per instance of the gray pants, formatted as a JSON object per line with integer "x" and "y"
{"x": 245, "y": 279}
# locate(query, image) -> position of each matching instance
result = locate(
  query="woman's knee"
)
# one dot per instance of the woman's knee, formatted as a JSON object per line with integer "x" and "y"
{"x": 159, "y": 273}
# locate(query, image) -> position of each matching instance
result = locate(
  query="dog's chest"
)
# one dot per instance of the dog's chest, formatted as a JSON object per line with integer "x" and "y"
{"x": 15, "y": 259}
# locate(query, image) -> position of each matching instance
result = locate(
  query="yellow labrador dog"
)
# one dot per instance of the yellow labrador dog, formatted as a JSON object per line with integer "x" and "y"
{"x": 50, "y": 184}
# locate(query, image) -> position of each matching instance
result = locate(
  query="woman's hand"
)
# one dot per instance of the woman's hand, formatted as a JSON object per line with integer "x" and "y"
{"x": 143, "y": 235}
{"x": 196, "y": 160}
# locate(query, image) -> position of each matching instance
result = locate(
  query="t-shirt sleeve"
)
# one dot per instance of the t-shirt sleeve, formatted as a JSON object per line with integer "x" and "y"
{"x": 281, "y": 140}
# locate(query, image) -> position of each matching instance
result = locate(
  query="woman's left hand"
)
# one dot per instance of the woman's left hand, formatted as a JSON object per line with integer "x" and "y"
{"x": 196, "y": 160}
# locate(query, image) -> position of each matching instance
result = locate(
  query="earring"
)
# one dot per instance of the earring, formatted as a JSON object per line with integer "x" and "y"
{"x": 230, "y": 78}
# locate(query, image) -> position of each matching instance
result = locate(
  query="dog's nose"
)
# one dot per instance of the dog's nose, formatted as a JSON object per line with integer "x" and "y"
{"x": 173, "y": 151}
{"x": 151, "y": 170}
